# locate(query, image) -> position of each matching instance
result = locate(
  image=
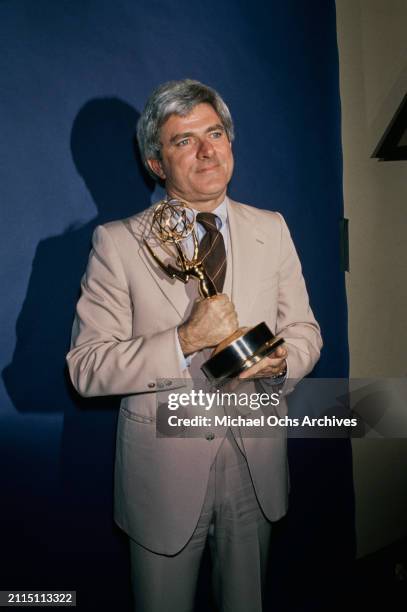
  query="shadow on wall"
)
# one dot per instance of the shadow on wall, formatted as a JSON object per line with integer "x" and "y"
{"x": 103, "y": 150}
{"x": 74, "y": 521}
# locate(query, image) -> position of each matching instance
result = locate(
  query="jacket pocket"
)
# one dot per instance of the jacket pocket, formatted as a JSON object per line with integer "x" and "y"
{"x": 134, "y": 416}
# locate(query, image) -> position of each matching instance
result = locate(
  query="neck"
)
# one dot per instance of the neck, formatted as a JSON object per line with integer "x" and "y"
{"x": 204, "y": 205}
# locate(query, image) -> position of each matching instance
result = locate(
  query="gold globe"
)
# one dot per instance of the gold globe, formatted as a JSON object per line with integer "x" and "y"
{"x": 173, "y": 221}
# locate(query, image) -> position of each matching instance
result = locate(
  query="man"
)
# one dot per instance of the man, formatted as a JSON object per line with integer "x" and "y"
{"x": 137, "y": 333}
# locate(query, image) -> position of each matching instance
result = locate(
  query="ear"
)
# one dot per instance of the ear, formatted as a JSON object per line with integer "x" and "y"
{"x": 156, "y": 166}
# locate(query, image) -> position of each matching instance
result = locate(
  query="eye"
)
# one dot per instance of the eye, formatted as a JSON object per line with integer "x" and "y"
{"x": 183, "y": 142}
{"x": 217, "y": 134}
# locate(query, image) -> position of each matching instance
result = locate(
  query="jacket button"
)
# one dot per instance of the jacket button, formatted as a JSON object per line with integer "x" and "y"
{"x": 151, "y": 385}
{"x": 210, "y": 436}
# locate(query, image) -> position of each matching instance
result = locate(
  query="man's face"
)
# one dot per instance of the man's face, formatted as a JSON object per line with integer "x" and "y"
{"x": 196, "y": 157}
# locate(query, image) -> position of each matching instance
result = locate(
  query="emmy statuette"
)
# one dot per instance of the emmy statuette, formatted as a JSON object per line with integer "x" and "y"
{"x": 174, "y": 222}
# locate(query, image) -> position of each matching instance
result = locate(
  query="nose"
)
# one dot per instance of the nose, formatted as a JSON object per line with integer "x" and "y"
{"x": 205, "y": 149}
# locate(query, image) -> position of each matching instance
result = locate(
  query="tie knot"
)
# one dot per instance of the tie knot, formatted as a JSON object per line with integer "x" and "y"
{"x": 208, "y": 221}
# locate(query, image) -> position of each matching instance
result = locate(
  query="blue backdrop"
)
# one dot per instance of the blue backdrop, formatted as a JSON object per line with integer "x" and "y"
{"x": 74, "y": 76}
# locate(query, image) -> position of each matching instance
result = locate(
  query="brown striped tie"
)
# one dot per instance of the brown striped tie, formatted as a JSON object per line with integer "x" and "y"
{"x": 212, "y": 250}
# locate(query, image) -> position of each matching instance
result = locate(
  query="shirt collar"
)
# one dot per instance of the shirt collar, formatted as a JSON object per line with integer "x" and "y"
{"x": 220, "y": 211}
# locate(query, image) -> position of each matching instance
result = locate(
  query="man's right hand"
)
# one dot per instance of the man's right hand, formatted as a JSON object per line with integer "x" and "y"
{"x": 211, "y": 321}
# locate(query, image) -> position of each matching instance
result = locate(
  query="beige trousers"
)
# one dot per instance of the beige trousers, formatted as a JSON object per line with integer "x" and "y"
{"x": 238, "y": 536}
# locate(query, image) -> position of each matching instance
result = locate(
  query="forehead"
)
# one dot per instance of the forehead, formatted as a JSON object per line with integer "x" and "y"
{"x": 200, "y": 118}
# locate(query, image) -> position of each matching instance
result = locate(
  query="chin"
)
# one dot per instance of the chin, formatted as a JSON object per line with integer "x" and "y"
{"x": 216, "y": 185}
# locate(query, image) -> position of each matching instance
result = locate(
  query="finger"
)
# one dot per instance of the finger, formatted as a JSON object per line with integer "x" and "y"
{"x": 223, "y": 298}
{"x": 266, "y": 367}
{"x": 280, "y": 351}
{"x": 246, "y": 374}
{"x": 251, "y": 371}
{"x": 276, "y": 362}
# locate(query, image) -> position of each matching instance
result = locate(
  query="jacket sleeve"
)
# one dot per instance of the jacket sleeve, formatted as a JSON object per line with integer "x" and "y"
{"x": 105, "y": 358}
{"x": 295, "y": 319}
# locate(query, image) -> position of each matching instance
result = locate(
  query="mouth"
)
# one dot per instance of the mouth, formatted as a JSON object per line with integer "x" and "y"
{"x": 208, "y": 169}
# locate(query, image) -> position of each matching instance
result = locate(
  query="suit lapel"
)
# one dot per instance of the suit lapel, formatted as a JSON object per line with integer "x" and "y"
{"x": 172, "y": 289}
{"x": 248, "y": 243}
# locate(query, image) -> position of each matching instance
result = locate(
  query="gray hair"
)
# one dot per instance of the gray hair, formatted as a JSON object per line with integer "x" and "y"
{"x": 179, "y": 98}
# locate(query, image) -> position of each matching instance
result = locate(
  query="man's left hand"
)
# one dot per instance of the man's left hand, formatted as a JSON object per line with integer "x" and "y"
{"x": 273, "y": 365}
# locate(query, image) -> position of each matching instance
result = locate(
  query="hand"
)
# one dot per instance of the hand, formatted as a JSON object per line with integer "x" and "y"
{"x": 269, "y": 366}
{"x": 211, "y": 321}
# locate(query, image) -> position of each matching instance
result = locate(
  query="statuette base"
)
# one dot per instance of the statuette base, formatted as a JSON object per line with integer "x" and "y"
{"x": 240, "y": 351}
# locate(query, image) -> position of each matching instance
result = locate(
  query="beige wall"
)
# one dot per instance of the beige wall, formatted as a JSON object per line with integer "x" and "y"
{"x": 372, "y": 44}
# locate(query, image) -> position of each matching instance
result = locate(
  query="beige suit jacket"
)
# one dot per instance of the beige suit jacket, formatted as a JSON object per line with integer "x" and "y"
{"x": 124, "y": 342}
